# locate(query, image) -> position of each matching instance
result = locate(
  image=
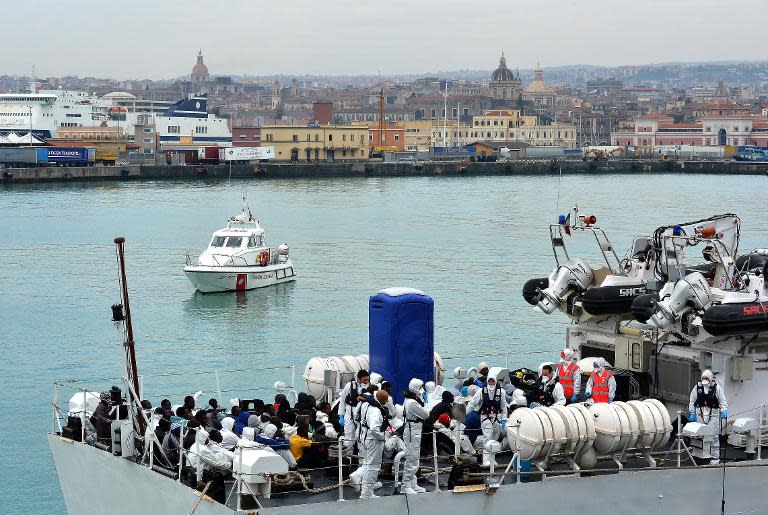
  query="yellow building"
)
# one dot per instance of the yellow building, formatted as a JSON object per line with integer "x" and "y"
{"x": 509, "y": 125}
{"x": 418, "y": 134}
{"x": 92, "y": 134}
{"x": 317, "y": 142}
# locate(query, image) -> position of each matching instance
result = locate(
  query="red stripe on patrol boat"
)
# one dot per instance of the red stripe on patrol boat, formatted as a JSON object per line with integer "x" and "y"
{"x": 242, "y": 280}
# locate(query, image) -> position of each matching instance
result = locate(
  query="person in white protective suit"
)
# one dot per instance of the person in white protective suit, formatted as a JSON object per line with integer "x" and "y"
{"x": 214, "y": 445}
{"x": 230, "y": 439}
{"x": 491, "y": 403}
{"x": 446, "y": 426}
{"x": 202, "y": 458}
{"x": 414, "y": 414}
{"x": 373, "y": 426}
{"x": 350, "y": 396}
{"x": 394, "y": 443}
{"x": 708, "y": 405}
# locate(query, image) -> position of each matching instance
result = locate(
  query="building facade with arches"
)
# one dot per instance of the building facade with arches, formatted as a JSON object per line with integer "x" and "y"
{"x": 660, "y": 130}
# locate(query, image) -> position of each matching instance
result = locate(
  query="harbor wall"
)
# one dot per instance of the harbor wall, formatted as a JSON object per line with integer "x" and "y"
{"x": 375, "y": 169}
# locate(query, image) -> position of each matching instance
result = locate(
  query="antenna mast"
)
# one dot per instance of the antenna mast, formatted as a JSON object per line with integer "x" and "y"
{"x": 128, "y": 344}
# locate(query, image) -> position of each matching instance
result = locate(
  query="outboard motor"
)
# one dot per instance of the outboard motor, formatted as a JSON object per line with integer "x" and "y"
{"x": 692, "y": 291}
{"x": 575, "y": 274}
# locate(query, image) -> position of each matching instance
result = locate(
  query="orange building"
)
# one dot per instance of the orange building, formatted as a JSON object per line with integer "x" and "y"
{"x": 394, "y": 137}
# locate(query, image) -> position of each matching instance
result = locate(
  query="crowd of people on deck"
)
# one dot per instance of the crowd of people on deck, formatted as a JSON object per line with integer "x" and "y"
{"x": 306, "y": 434}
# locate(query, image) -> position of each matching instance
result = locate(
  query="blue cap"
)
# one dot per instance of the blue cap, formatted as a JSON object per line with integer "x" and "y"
{"x": 677, "y": 230}
{"x": 561, "y": 219}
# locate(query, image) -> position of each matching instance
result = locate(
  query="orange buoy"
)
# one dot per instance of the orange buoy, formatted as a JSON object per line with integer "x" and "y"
{"x": 589, "y": 219}
{"x": 708, "y": 231}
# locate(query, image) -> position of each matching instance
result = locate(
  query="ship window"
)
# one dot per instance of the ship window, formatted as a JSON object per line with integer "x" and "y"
{"x": 253, "y": 241}
{"x": 234, "y": 241}
{"x": 218, "y": 241}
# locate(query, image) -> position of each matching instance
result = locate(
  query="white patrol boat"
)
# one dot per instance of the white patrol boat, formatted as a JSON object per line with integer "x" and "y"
{"x": 238, "y": 258}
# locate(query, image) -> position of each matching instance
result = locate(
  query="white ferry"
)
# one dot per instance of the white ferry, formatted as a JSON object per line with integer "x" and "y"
{"x": 188, "y": 122}
{"x": 45, "y": 112}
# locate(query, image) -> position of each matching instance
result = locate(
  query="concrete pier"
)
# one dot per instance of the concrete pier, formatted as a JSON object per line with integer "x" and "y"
{"x": 375, "y": 169}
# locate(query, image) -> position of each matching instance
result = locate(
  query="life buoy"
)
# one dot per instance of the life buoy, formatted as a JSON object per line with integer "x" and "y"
{"x": 264, "y": 258}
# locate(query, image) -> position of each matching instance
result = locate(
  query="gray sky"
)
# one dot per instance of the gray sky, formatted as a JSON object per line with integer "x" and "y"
{"x": 158, "y": 39}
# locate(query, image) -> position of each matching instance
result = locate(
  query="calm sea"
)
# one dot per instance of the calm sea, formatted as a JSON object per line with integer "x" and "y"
{"x": 469, "y": 242}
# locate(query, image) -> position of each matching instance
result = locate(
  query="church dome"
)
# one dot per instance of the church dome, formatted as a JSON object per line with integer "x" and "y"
{"x": 200, "y": 70}
{"x": 539, "y": 86}
{"x": 502, "y": 73}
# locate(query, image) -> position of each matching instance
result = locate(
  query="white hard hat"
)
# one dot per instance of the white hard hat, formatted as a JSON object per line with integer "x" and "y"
{"x": 376, "y": 378}
{"x": 482, "y": 365}
{"x": 708, "y": 374}
{"x": 429, "y": 386}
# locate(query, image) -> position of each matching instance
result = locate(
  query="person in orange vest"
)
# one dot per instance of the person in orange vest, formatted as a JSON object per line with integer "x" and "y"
{"x": 569, "y": 375}
{"x": 601, "y": 386}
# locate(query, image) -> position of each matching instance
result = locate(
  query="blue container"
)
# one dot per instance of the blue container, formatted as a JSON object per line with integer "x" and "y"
{"x": 401, "y": 337}
{"x": 68, "y": 155}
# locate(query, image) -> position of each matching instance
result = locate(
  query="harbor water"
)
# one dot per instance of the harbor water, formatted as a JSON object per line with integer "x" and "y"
{"x": 470, "y": 242}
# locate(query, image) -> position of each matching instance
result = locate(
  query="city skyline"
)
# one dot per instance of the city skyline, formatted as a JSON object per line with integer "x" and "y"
{"x": 350, "y": 39}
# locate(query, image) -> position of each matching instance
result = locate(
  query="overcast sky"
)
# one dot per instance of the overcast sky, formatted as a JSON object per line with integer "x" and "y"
{"x": 159, "y": 39}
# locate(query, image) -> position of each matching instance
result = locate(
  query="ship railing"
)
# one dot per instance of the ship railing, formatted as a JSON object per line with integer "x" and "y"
{"x": 558, "y": 240}
{"x": 344, "y": 455}
{"x": 226, "y": 260}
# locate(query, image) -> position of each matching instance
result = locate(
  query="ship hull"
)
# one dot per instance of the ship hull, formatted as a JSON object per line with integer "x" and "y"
{"x": 95, "y": 482}
{"x": 209, "y": 279}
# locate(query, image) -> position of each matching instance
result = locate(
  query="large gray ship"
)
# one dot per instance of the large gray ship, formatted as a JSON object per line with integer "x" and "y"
{"x": 657, "y": 318}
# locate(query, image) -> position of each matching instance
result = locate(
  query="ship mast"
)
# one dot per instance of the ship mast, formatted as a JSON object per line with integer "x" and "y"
{"x": 128, "y": 344}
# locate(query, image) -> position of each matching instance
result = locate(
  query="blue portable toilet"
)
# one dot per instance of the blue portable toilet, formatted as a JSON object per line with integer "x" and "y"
{"x": 401, "y": 337}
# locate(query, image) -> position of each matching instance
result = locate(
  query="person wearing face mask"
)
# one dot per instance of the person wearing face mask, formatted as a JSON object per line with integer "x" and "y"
{"x": 550, "y": 390}
{"x": 374, "y": 422}
{"x": 601, "y": 386}
{"x": 350, "y": 396}
{"x": 490, "y": 402}
{"x": 708, "y": 405}
{"x": 569, "y": 375}
{"x": 414, "y": 414}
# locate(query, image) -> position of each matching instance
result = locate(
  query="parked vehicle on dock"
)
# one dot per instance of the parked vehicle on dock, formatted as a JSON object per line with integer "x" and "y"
{"x": 47, "y": 156}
